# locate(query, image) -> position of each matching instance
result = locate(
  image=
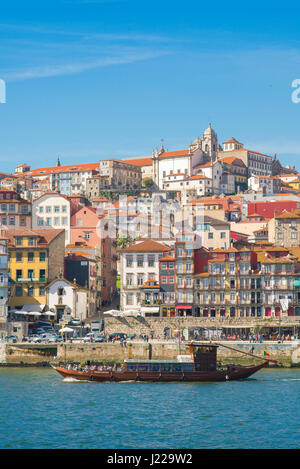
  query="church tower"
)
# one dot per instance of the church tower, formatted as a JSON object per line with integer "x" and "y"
{"x": 155, "y": 167}
{"x": 210, "y": 143}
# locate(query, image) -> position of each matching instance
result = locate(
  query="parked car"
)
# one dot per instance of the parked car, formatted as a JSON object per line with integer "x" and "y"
{"x": 117, "y": 336}
{"x": 75, "y": 322}
{"x": 35, "y": 338}
{"x": 99, "y": 338}
{"x": 49, "y": 338}
{"x": 89, "y": 337}
{"x": 11, "y": 338}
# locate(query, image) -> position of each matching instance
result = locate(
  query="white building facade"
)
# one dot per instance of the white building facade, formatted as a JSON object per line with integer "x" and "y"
{"x": 139, "y": 263}
{"x": 52, "y": 210}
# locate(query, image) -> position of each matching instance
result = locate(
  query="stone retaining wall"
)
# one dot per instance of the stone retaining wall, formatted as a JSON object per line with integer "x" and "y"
{"x": 146, "y": 326}
{"x": 287, "y": 354}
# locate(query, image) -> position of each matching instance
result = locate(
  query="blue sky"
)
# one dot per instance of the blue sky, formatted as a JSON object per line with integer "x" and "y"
{"x": 93, "y": 79}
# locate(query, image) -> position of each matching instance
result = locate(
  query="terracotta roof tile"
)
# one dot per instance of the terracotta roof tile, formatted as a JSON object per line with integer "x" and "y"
{"x": 147, "y": 246}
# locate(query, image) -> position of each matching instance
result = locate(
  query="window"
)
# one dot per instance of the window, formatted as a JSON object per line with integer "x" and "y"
{"x": 151, "y": 260}
{"x": 30, "y": 291}
{"x": 56, "y": 221}
{"x": 30, "y": 256}
{"x": 42, "y": 256}
{"x": 30, "y": 273}
{"x": 129, "y": 261}
{"x": 140, "y": 261}
{"x": 30, "y": 241}
{"x": 42, "y": 290}
{"x": 64, "y": 221}
{"x": 48, "y": 209}
{"x": 222, "y": 234}
{"x": 19, "y": 290}
{"x": 60, "y": 291}
{"x": 19, "y": 241}
{"x": 42, "y": 274}
{"x": 19, "y": 256}
{"x": 56, "y": 209}
{"x": 140, "y": 279}
{"x": 64, "y": 208}
{"x": 19, "y": 274}
{"x": 129, "y": 279}
{"x": 129, "y": 299}
{"x": 210, "y": 235}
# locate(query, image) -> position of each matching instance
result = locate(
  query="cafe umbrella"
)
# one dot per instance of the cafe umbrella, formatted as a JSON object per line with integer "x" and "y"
{"x": 66, "y": 330}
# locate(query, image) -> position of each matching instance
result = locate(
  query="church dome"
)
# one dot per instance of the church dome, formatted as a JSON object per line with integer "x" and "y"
{"x": 197, "y": 141}
{"x": 209, "y": 131}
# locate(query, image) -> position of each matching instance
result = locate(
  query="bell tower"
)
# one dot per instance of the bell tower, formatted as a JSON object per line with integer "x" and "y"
{"x": 210, "y": 143}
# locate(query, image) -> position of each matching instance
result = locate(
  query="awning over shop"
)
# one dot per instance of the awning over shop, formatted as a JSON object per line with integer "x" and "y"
{"x": 184, "y": 306}
{"x": 154, "y": 309}
{"x": 33, "y": 308}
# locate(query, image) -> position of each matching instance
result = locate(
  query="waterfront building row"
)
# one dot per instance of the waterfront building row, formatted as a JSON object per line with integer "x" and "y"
{"x": 261, "y": 280}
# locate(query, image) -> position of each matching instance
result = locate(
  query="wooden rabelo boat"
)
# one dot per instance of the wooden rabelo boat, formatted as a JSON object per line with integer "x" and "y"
{"x": 200, "y": 366}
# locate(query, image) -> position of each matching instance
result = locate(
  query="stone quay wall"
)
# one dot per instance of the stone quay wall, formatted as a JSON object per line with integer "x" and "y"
{"x": 287, "y": 354}
{"x": 19, "y": 354}
{"x": 157, "y": 326}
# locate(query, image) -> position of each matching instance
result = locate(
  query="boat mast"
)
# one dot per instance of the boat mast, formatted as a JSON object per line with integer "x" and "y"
{"x": 246, "y": 353}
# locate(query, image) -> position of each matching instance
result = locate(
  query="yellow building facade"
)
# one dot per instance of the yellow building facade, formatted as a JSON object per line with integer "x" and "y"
{"x": 36, "y": 257}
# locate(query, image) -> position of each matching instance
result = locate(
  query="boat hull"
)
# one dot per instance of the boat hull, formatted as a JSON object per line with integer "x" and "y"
{"x": 233, "y": 373}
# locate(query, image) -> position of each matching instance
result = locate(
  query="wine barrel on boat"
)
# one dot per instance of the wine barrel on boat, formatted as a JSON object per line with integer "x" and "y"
{"x": 204, "y": 356}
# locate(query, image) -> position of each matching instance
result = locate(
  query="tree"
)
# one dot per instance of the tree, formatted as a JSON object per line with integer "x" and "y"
{"x": 147, "y": 183}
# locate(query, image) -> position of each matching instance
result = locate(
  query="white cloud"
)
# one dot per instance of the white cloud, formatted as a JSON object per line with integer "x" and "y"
{"x": 79, "y": 67}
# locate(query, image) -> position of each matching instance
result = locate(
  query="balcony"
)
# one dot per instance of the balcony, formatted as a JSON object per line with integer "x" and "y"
{"x": 131, "y": 287}
{"x": 151, "y": 302}
{"x": 31, "y": 279}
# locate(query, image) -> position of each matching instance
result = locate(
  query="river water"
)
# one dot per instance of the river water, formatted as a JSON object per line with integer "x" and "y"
{"x": 38, "y": 409}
